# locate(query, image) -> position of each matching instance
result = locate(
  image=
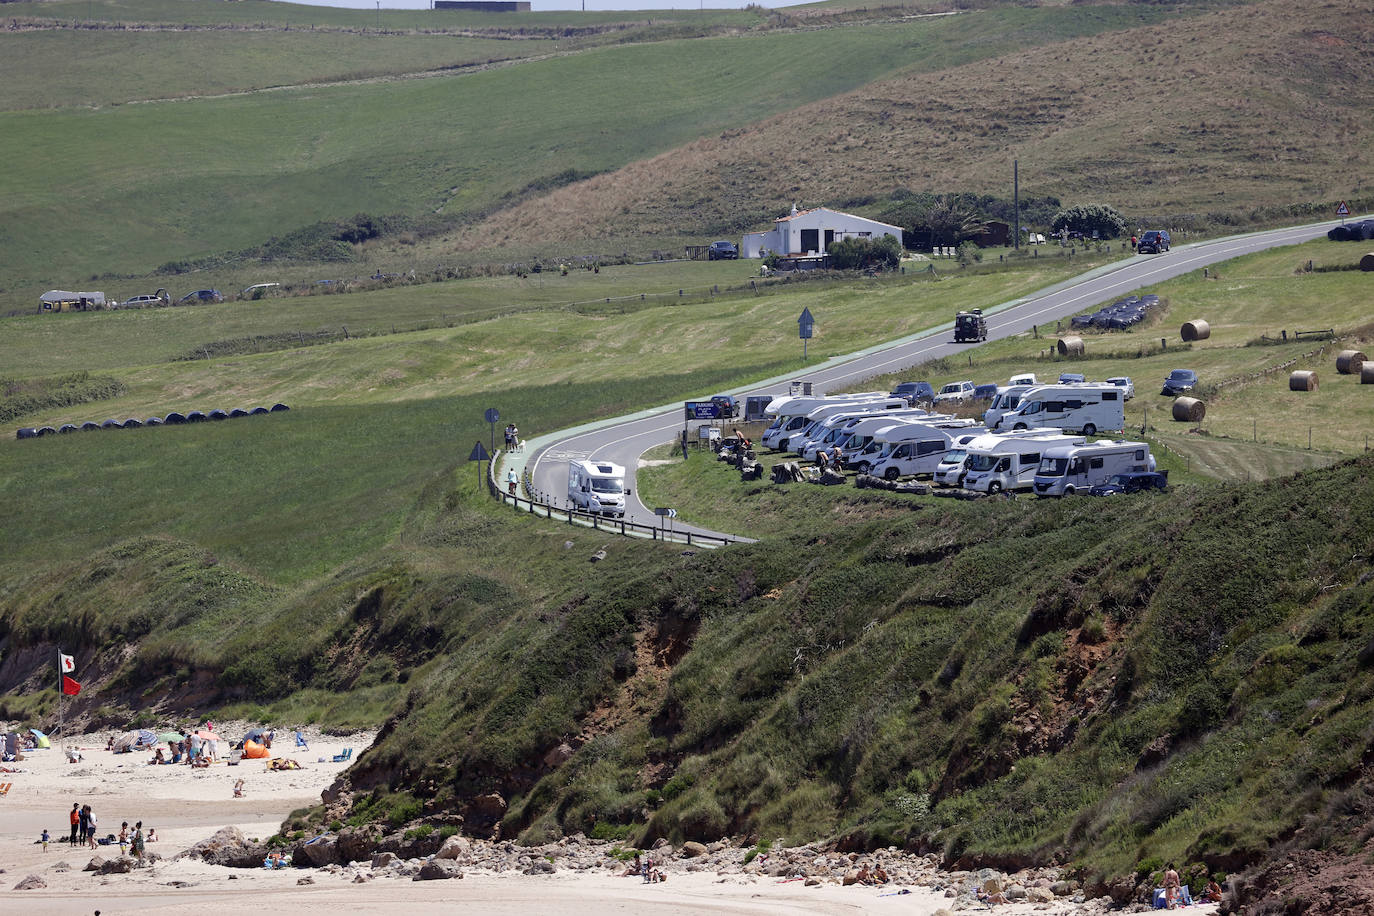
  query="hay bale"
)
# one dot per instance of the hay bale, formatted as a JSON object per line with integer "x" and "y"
{"x": 1367, "y": 374}
{"x": 1367, "y": 262}
{"x": 1070, "y": 346}
{"x": 1189, "y": 410}
{"x": 1197, "y": 329}
{"x": 1302, "y": 380}
{"x": 1350, "y": 362}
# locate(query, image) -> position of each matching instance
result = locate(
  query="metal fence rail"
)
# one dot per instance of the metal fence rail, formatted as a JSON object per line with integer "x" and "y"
{"x": 572, "y": 516}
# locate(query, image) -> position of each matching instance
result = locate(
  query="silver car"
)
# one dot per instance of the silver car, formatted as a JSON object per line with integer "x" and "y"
{"x": 1124, "y": 382}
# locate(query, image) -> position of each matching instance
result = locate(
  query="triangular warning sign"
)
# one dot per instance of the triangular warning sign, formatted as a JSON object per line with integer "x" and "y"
{"x": 479, "y": 453}
{"x": 1342, "y": 210}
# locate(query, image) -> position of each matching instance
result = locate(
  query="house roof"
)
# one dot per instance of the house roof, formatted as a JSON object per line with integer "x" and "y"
{"x": 791, "y": 216}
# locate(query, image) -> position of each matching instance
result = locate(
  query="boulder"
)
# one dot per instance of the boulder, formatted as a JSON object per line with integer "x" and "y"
{"x": 438, "y": 870}
{"x": 383, "y": 859}
{"x": 1039, "y": 895}
{"x": 992, "y": 885}
{"x": 1062, "y": 888}
{"x": 691, "y": 849}
{"x": 356, "y": 844}
{"x": 306, "y": 880}
{"x": 541, "y": 867}
{"x": 454, "y": 847}
{"x": 491, "y": 807}
{"x": 558, "y": 755}
{"x": 361, "y": 879}
{"x": 121, "y": 866}
{"x": 318, "y": 852}
{"x": 31, "y": 883}
{"x": 227, "y": 847}
{"x": 94, "y": 864}
{"x": 1016, "y": 892}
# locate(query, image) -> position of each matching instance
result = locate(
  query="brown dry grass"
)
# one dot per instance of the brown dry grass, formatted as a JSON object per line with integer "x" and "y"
{"x": 1222, "y": 113}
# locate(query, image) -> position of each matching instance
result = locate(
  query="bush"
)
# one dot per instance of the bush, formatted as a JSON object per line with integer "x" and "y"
{"x": 859, "y": 253}
{"x": 969, "y": 253}
{"x": 1090, "y": 218}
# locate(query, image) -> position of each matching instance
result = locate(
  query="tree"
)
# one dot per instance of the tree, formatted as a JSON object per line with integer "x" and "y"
{"x": 860, "y": 253}
{"x": 1090, "y": 218}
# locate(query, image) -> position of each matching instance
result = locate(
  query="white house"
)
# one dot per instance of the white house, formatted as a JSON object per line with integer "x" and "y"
{"x": 808, "y": 232}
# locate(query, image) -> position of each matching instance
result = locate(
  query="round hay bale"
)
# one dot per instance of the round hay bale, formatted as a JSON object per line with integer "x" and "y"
{"x": 1197, "y": 329}
{"x": 1367, "y": 262}
{"x": 1070, "y": 346}
{"x": 1350, "y": 362}
{"x": 1367, "y": 374}
{"x": 1189, "y": 410}
{"x": 1302, "y": 380}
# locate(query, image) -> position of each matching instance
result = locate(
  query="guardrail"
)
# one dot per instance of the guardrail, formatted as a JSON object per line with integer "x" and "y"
{"x": 574, "y": 516}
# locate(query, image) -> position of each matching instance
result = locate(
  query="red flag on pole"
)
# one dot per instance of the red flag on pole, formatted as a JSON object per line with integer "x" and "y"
{"x": 70, "y": 687}
{"x": 65, "y": 663}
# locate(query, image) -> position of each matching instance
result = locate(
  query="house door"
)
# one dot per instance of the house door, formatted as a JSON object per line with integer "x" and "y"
{"x": 829, "y": 237}
{"x": 810, "y": 240}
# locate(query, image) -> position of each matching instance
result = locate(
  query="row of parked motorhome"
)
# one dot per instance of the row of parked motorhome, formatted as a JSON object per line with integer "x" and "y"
{"x": 1024, "y": 447}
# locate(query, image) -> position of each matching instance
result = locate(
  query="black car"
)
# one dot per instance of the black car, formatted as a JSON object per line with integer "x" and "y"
{"x": 722, "y": 251}
{"x": 1133, "y": 482}
{"x": 1154, "y": 241}
{"x": 202, "y": 295}
{"x": 1180, "y": 381}
{"x": 913, "y": 392}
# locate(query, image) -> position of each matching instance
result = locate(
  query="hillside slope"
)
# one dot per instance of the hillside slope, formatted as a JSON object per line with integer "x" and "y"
{"x": 1222, "y": 113}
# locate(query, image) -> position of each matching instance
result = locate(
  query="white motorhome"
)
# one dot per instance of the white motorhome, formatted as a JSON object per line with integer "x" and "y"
{"x": 802, "y": 425}
{"x": 1007, "y": 400}
{"x": 996, "y": 463}
{"x": 950, "y": 471}
{"x": 1080, "y": 407}
{"x": 863, "y": 445}
{"x": 1069, "y": 469}
{"x": 835, "y": 431}
{"x": 920, "y": 448}
{"x": 790, "y": 413}
{"x": 597, "y": 487}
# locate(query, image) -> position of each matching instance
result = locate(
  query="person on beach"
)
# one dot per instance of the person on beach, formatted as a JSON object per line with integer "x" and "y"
{"x": 138, "y": 842}
{"x": 1171, "y": 888}
{"x": 44, "y": 839}
{"x": 634, "y": 869}
{"x": 92, "y": 825}
{"x": 76, "y": 822}
{"x": 85, "y": 823}
{"x": 123, "y": 836}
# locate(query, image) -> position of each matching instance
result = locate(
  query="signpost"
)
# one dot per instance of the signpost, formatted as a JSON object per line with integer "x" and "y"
{"x": 479, "y": 454}
{"x": 804, "y": 325}
{"x": 663, "y": 512}
{"x": 1342, "y": 211}
{"x": 702, "y": 410}
{"x": 491, "y": 416}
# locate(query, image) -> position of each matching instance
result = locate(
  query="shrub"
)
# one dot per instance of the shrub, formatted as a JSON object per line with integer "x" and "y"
{"x": 1090, "y": 218}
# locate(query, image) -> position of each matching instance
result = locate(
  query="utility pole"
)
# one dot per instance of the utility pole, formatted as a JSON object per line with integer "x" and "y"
{"x": 1016, "y": 200}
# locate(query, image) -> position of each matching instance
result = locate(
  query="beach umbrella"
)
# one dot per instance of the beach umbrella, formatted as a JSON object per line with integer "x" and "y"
{"x": 41, "y": 739}
{"x": 169, "y": 737}
{"x": 255, "y": 734}
{"x": 145, "y": 738}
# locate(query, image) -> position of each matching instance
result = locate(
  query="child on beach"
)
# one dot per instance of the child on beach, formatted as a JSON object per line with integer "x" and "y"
{"x": 152, "y": 835}
{"x": 44, "y": 839}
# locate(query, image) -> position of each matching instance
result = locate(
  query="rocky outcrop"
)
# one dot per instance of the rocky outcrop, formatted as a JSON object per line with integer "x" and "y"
{"x": 31, "y": 883}
{"x": 437, "y": 870}
{"x": 227, "y": 847}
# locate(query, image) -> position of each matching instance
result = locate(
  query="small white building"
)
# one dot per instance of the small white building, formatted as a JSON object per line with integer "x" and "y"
{"x": 806, "y": 233}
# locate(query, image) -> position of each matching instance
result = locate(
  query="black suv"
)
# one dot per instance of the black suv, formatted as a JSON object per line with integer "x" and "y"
{"x": 1154, "y": 241}
{"x": 722, "y": 251}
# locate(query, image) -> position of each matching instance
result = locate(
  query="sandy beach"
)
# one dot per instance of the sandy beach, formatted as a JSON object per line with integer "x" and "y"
{"x": 187, "y": 806}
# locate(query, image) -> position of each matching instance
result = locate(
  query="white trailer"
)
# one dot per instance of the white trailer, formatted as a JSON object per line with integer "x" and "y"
{"x": 1079, "y": 407}
{"x": 597, "y": 487}
{"x": 1068, "y": 469}
{"x": 919, "y": 449}
{"x": 997, "y": 463}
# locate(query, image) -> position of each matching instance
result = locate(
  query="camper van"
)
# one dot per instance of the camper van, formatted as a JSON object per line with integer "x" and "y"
{"x": 597, "y": 487}
{"x": 1069, "y": 469}
{"x": 919, "y": 448}
{"x": 953, "y": 467}
{"x": 1007, "y": 400}
{"x": 840, "y": 429}
{"x": 790, "y": 413}
{"x": 789, "y": 426}
{"x": 1083, "y": 408}
{"x": 997, "y": 463}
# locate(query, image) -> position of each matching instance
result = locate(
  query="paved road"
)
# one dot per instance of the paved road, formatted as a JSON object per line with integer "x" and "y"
{"x": 624, "y": 440}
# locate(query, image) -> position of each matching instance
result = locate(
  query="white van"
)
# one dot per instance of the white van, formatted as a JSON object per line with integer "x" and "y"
{"x": 920, "y": 448}
{"x": 779, "y": 439}
{"x": 841, "y": 429}
{"x": 790, "y": 414}
{"x": 597, "y": 487}
{"x": 1080, "y": 407}
{"x": 997, "y": 463}
{"x": 1069, "y": 469}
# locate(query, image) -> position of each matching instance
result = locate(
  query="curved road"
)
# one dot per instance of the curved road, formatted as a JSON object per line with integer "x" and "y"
{"x": 624, "y": 440}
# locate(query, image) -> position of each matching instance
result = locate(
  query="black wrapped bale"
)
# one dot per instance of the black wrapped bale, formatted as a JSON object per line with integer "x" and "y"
{"x": 27, "y": 432}
{"x": 278, "y": 408}
{"x": 89, "y": 426}
{"x": 195, "y": 416}
{"x": 132, "y": 423}
{"x": 111, "y": 424}
{"x": 174, "y": 419}
{"x": 237, "y": 412}
{"x": 67, "y": 428}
